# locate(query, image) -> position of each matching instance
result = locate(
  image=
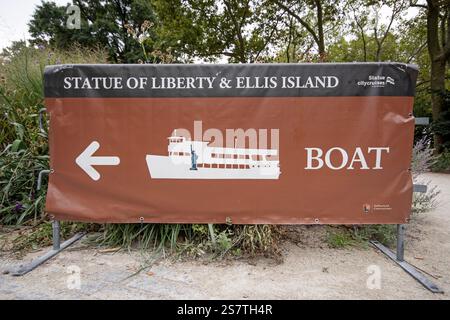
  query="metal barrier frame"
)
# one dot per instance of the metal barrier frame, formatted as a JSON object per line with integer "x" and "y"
{"x": 397, "y": 257}
{"x": 56, "y": 227}
{"x": 56, "y": 238}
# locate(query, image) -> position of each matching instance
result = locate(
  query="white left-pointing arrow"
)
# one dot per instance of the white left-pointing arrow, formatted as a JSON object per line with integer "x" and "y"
{"x": 86, "y": 161}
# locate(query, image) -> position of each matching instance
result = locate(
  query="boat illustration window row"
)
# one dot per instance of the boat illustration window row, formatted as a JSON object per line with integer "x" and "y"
{"x": 233, "y": 166}
{"x": 223, "y": 166}
{"x": 254, "y": 157}
{"x": 179, "y": 154}
{"x": 222, "y": 156}
{"x": 230, "y": 156}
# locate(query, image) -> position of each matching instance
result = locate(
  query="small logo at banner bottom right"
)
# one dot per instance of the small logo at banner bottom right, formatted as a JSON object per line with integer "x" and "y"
{"x": 367, "y": 208}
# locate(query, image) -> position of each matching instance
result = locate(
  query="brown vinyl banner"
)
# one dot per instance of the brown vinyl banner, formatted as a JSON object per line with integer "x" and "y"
{"x": 264, "y": 143}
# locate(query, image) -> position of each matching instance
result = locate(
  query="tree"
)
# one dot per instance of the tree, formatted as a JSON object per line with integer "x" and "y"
{"x": 295, "y": 44}
{"x": 365, "y": 19}
{"x": 438, "y": 42}
{"x": 239, "y": 30}
{"x": 103, "y": 23}
{"x": 15, "y": 48}
{"x": 317, "y": 15}
{"x": 48, "y": 27}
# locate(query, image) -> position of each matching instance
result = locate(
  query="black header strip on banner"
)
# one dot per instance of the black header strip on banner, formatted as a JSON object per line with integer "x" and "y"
{"x": 231, "y": 80}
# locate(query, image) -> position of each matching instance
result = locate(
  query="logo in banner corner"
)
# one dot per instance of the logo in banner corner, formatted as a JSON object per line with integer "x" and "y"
{"x": 377, "y": 81}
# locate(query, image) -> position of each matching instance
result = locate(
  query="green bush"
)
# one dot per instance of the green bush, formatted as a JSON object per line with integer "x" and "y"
{"x": 441, "y": 126}
{"x": 24, "y": 149}
{"x": 442, "y": 163}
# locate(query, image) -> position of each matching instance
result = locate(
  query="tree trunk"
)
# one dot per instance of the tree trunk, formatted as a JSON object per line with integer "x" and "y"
{"x": 437, "y": 99}
{"x": 321, "y": 44}
{"x": 438, "y": 66}
{"x": 318, "y": 37}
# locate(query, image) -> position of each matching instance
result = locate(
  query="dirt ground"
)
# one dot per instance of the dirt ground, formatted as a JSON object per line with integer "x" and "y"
{"x": 310, "y": 270}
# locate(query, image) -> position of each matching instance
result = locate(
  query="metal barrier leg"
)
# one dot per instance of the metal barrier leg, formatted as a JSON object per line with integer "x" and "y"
{"x": 57, "y": 245}
{"x": 398, "y": 258}
{"x": 400, "y": 242}
{"x": 56, "y": 235}
{"x": 211, "y": 233}
{"x": 37, "y": 262}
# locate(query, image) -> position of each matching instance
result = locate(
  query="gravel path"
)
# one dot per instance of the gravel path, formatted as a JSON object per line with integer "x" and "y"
{"x": 310, "y": 270}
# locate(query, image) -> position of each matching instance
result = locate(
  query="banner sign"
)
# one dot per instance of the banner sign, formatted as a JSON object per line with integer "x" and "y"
{"x": 237, "y": 143}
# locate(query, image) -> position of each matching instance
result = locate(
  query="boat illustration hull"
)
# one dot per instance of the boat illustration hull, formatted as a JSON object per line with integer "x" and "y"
{"x": 163, "y": 167}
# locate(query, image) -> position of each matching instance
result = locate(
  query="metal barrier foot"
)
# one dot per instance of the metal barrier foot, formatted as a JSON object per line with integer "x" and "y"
{"x": 411, "y": 270}
{"x": 37, "y": 262}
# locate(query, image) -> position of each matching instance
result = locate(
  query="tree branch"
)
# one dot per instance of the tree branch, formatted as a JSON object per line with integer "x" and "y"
{"x": 422, "y": 46}
{"x": 416, "y": 5}
{"x": 361, "y": 30}
{"x": 238, "y": 30}
{"x": 300, "y": 20}
{"x": 274, "y": 28}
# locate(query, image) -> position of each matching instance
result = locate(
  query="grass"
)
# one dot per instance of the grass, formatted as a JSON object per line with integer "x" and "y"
{"x": 193, "y": 240}
{"x": 339, "y": 238}
{"x": 359, "y": 235}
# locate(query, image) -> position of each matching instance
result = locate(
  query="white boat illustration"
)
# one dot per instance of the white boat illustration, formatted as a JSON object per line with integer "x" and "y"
{"x": 188, "y": 159}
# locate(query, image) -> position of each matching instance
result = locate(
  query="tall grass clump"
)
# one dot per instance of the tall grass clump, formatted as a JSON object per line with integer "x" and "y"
{"x": 195, "y": 240}
{"x": 23, "y": 148}
{"x": 423, "y": 159}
